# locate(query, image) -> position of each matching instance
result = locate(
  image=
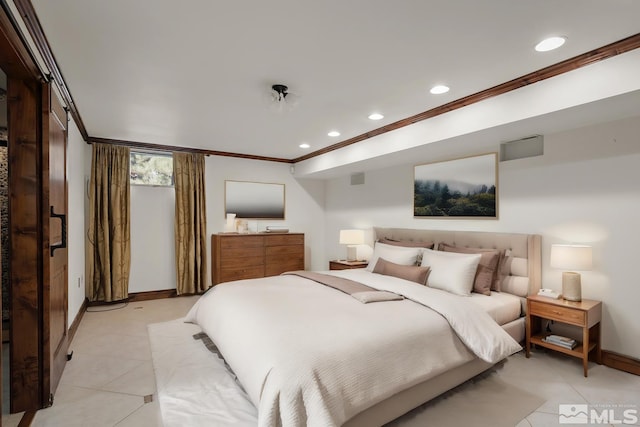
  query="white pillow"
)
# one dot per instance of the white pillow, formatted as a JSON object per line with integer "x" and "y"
{"x": 398, "y": 254}
{"x": 451, "y": 271}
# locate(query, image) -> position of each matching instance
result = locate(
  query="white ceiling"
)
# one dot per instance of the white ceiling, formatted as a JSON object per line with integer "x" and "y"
{"x": 196, "y": 73}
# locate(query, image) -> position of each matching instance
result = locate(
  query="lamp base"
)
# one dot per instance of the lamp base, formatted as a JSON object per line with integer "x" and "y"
{"x": 352, "y": 253}
{"x": 571, "y": 287}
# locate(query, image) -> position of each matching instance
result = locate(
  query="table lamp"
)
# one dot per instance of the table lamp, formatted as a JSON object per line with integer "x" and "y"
{"x": 352, "y": 238}
{"x": 571, "y": 257}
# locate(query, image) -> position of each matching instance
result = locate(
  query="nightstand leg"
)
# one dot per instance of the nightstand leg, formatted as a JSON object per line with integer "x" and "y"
{"x": 585, "y": 349}
{"x": 598, "y": 346}
{"x": 527, "y": 345}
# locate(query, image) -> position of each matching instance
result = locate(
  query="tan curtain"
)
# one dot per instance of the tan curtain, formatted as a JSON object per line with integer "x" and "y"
{"x": 109, "y": 257}
{"x": 190, "y": 223}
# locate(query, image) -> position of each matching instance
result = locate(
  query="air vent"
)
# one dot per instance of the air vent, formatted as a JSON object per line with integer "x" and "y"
{"x": 521, "y": 148}
{"x": 357, "y": 178}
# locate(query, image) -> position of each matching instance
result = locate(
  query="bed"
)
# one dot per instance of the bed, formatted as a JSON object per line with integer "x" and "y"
{"x": 310, "y": 355}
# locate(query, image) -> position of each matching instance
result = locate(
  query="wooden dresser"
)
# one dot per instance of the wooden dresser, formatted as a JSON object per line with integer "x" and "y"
{"x": 248, "y": 256}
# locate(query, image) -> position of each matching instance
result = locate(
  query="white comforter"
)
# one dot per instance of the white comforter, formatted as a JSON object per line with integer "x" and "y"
{"x": 309, "y": 355}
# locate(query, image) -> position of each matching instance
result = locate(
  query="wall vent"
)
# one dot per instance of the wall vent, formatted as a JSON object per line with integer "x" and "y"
{"x": 530, "y": 146}
{"x": 357, "y": 178}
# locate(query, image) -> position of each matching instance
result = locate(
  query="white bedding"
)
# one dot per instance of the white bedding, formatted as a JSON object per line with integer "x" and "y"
{"x": 501, "y": 306}
{"x": 310, "y": 355}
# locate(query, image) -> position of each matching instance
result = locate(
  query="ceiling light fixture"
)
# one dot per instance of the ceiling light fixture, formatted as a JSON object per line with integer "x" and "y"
{"x": 304, "y": 145}
{"x": 282, "y": 99}
{"x": 375, "y": 116}
{"x": 439, "y": 89}
{"x": 334, "y": 133}
{"x": 550, "y": 43}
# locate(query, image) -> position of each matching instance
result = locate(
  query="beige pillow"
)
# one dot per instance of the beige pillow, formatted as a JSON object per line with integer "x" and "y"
{"x": 488, "y": 274}
{"x": 407, "y": 243}
{"x": 413, "y": 273}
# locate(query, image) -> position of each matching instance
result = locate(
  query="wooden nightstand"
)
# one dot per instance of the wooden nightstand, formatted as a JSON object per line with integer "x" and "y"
{"x": 346, "y": 265}
{"x": 585, "y": 314}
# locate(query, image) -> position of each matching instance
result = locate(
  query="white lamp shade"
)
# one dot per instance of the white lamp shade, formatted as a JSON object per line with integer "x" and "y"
{"x": 351, "y": 237}
{"x": 571, "y": 257}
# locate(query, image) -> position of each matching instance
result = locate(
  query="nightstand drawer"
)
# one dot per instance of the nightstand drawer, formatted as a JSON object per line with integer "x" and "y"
{"x": 554, "y": 312}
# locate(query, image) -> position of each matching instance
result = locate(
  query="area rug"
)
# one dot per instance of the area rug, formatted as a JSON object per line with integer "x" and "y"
{"x": 196, "y": 389}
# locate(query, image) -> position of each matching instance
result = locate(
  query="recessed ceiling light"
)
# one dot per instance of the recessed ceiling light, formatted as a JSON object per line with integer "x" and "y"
{"x": 304, "y": 145}
{"x": 334, "y": 133}
{"x": 376, "y": 116}
{"x": 439, "y": 89}
{"x": 550, "y": 43}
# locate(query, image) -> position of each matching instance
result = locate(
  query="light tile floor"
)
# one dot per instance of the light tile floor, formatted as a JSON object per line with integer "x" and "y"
{"x": 111, "y": 373}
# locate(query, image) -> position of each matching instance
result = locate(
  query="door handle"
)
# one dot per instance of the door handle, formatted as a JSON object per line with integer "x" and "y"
{"x": 63, "y": 221}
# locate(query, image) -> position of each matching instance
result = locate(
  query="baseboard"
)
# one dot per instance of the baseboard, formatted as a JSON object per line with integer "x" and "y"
{"x": 139, "y": 296}
{"x": 76, "y": 322}
{"x": 149, "y": 295}
{"x": 621, "y": 362}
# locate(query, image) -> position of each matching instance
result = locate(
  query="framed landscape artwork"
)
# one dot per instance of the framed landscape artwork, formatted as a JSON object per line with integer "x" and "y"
{"x": 254, "y": 200}
{"x": 461, "y": 188}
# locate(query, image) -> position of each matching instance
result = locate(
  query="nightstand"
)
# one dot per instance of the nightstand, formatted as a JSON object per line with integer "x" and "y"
{"x": 585, "y": 314}
{"x": 346, "y": 265}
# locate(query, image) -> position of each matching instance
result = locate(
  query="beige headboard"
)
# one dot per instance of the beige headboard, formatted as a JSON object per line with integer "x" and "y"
{"x": 523, "y": 272}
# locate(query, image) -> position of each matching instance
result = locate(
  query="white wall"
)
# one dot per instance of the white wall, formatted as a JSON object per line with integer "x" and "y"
{"x": 304, "y": 209}
{"x": 152, "y": 242}
{"x": 584, "y": 189}
{"x": 76, "y": 154}
{"x": 152, "y": 215}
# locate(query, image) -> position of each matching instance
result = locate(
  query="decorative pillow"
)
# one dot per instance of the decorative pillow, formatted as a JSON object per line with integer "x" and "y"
{"x": 450, "y": 271}
{"x": 414, "y": 273}
{"x": 406, "y": 243}
{"x": 488, "y": 271}
{"x": 397, "y": 254}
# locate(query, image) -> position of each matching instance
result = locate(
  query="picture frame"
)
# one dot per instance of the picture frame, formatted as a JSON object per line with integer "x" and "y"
{"x": 254, "y": 200}
{"x": 462, "y": 188}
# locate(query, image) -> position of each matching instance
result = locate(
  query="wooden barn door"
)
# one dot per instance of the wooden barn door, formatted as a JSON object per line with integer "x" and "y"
{"x": 54, "y": 161}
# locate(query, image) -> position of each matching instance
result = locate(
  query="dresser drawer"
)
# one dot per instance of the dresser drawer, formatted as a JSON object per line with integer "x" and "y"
{"x": 228, "y": 242}
{"x": 284, "y": 250}
{"x": 284, "y": 239}
{"x": 561, "y": 314}
{"x": 239, "y": 263}
{"x": 235, "y": 253}
{"x": 229, "y": 274}
{"x": 291, "y": 264}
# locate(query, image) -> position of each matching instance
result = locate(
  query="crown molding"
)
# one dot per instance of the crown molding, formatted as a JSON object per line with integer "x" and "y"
{"x": 160, "y": 147}
{"x": 591, "y": 57}
{"x": 32, "y": 23}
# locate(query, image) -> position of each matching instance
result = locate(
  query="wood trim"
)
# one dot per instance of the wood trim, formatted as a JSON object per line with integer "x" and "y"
{"x": 150, "y": 295}
{"x": 76, "y": 322}
{"x": 139, "y": 296}
{"x": 19, "y": 63}
{"x": 159, "y": 147}
{"x": 591, "y": 57}
{"x": 605, "y": 52}
{"x": 32, "y": 23}
{"x": 621, "y": 362}
{"x": 27, "y": 419}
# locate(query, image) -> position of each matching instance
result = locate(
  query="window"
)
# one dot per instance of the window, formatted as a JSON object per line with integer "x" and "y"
{"x": 151, "y": 169}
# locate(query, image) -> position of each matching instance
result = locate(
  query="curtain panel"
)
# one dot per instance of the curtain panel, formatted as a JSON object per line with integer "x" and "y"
{"x": 109, "y": 255}
{"x": 190, "y": 223}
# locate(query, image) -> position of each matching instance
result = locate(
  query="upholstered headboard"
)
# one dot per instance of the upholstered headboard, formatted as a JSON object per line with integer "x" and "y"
{"x": 523, "y": 270}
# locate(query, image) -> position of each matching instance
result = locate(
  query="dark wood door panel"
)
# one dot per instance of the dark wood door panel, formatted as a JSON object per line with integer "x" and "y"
{"x": 55, "y": 316}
